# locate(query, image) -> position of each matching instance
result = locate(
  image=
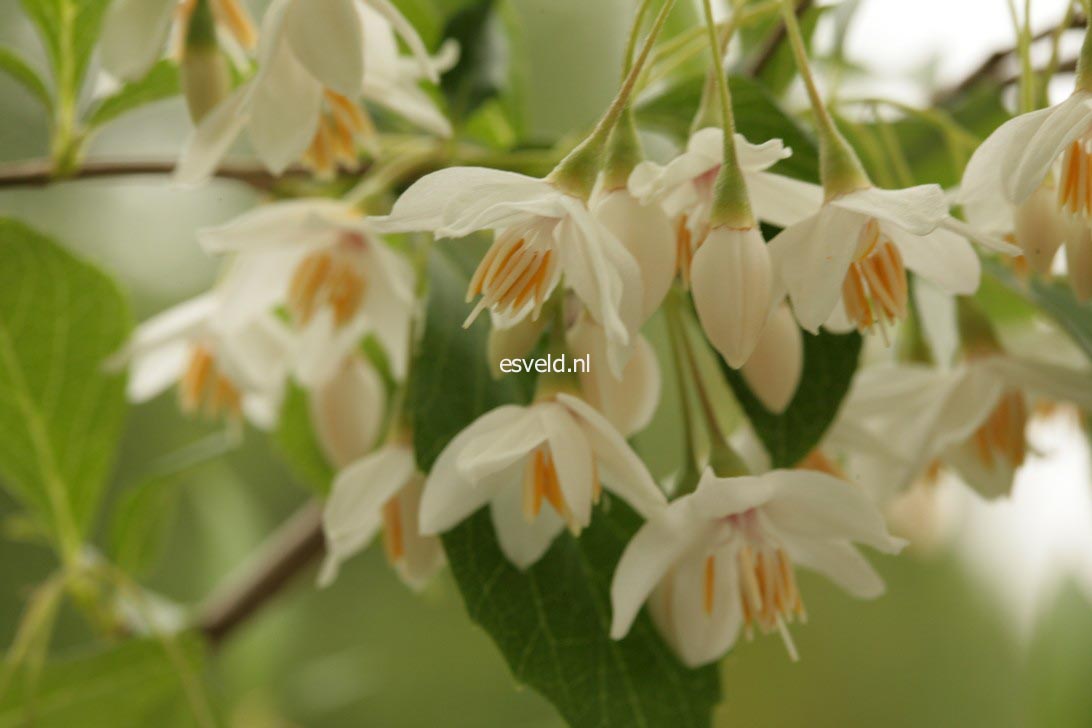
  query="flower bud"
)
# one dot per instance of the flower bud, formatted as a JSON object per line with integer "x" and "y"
{"x": 1039, "y": 229}
{"x": 774, "y": 369}
{"x": 512, "y": 341}
{"x": 647, "y": 234}
{"x": 731, "y": 279}
{"x": 1078, "y": 258}
{"x": 347, "y": 412}
{"x": 206, "y": 80}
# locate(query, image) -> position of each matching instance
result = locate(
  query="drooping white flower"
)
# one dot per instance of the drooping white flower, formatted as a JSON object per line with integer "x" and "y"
{"x": 316, "y": 60}
{"x": 381, "y": 491}
{"x": 135, "y": 32}
{"x": 337, "y": 279}
{"x": 220, "y": 370}
{"x": 541, "y": 234}
{"x": 540, "y": 468}
{"x": 722, "y": 558}
{"x": 857, "y": 248}
{"x": 628, "y": 402}
{"x": 684, "y": 188}
{"x": 347, "y": 411}
{"x": 774, "y": 369}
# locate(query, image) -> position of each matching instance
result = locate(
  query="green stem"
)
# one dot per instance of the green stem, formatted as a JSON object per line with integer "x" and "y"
{"x": 66, "y": 145}
{"x": 1084, "y": 61}
{"x": 839, "y": 167}
{"x": 576, "y": 173}
{"x": 688, "y": 477}
{"x": 634, "y": 34}
{"x": 624, "y": 146}
{"x": 1023, "y": 46}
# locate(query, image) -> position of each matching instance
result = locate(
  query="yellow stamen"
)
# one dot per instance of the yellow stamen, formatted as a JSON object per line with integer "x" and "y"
{"x": 540, "y": 483}
{"x": 1075, "y": 188}
{"x": 820, "y": 463}
{"x": 326, "y": 278}
{"x": 235, "y": 18}
{"x": 769, "y": 596}
{"x": 999, "y": 441}
{"x": 875, "y": 287}
{"x": 512, "y": 273}
{"x": 684, "y": 253}
{"x": 203, "y": 387}
{"x": 393, "y": 538}
{"x": 710, "y": 583}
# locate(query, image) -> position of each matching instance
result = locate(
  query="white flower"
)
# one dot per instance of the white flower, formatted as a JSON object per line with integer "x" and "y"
{"x": 1078, "y": 250}
{"x": 219, "y": 370}
{"x": 135, "y": 32}
{"x": 316, "y": 60}
{"x": 322, "y": 262}
{"x": 857, "y": 248}
{"x": 646, "y": 232}
{"x": 684, "y": 187}
{"x": 722, "y": 558}
{"x": 732, "y": 286}
{"x": 971, "y": 417}
{"x": 628, "y": 402}
{"x": 347, "y": 411}
{"x": 540, "y": 234}
{"x": 381, "y": 490}
{"x": 539, "y": 468}
{"x": 775, "y": 366}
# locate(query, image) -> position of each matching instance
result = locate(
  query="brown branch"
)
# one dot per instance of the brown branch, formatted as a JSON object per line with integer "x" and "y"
{"x": 773, "y": 42}
{"x": 38, "y": 172}
{"x": 291, "y": 549}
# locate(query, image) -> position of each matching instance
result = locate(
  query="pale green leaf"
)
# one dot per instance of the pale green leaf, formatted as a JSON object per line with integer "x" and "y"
{"x": 161, "y": 82}
{"x": 60, "y": 411}
{"x": 69, "y": 30}
{"x": 13, "y": 64}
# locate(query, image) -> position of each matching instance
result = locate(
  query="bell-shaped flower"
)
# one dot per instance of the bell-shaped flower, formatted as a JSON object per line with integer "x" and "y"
{"x": 540, "y": 468}
{"x": 684, "y": 188}
{"x": 856, "y": 250}
{"x": 317, "y": 59}
{"x": 775, "y": 366}
{"x": 722, "y": 559}
{"x": 1078, "y": 252}
{"x": 646, "y": 232}
{"x": 336, "y": 278}
{"x": 347, "y": 411}
{"x": 628, "y": 402}
{"x": 135, "y": 33}
{"x": 541, "y": 235}
{"x": 219, "y": 370}
{"x": 380, "y": 492}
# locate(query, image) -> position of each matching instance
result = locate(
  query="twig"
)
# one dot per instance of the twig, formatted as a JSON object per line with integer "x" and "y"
{"x": 294, "y": 546}
{"x": 763, "y": 59}
{"x": 38, "y": 172}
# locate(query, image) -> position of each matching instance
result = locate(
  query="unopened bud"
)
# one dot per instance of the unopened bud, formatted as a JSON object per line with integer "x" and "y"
{"x": 206, "y": 79}
{"x": 1039, "y": 229}
{"x": 347, "y": 412}
{"x": 773, "y": 372}
{"x": 647, "y": 233}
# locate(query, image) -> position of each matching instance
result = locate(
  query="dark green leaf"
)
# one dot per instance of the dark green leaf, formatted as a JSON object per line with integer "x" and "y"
{"x": 60, "y": 411}
{"x": 13, "y": 64}
{"x": 779, "y": 70}
{"x": 161, "y": 82}
{"x": 1054, "y": 298}
{"x": 829, "y": 363}
{"x": 481, "y": 71}
{"x": 131, "y": 684}
{"x": 295, "y": 438}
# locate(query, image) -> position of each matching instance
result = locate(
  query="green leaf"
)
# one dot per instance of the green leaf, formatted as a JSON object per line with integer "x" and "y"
{"x": 161, "y": 82}
{"x": 140, "y": 524}
{"x": 60, "y": 412}
{"x": 129, "y": 684}
{"x": 482, "y": 69}
{"x": 296, "y": 441}
{"x": 13, "y": 64}
{"x": 758, "y": 117}
{"x": 830, "y": 361}
{"x": 551, "y": 622}
{"x": 69, "y": 31}
{"x": 1053, "y": 297}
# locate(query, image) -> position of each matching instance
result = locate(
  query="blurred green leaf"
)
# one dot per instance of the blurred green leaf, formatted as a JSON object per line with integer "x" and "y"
{"x": 13, "y": 64}
{"x": 1053, "y": 297}
{"x": 482, "y": 69}
{"x": 552, "y": 621}
{"x": 296, "y": 441}
{"x": 130, "y": 684}
{"x": 69, "y": 30}
{"x": 161, "y": 82}
{"x": 140, "y": 524}
{"x": 60, "y": 412}
{"x": 780, "y": 70}
{"x": 830, "y": 361}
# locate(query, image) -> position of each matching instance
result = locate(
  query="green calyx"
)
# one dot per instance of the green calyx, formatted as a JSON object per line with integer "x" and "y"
{"x": 624, "y": 152}
{"x": 201, "y": 31}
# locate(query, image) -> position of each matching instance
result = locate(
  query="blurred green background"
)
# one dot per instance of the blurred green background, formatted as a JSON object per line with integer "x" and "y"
{"x": 937, "y": 650}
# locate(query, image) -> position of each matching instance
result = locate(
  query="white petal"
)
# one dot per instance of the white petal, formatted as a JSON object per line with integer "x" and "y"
{"x": 982, "y": 184}
{"x": 255, "y": 283}
{"x": 991, "y": 481}
{"x": 700, "y": 637}
{"x": 409, "y": 34}
{"x": 134, "y": 33}
{"x": 943, "y": 257}
{"x": 774, "y": 369}
{"x": 939, "y": 321}
{"x": 287, "y": 102}
{"x": 322, "y": 347}
{"x": 1066, "y": 122}
{"x": 409, "y": 102}
{"x": 644, "y": 562}
{"x": 325, "y": 36}
{"x": 495, "y": 448}
{"x": 523, "y": 543}
{"x": 422, "y": 555}
{"x": 1039, "y": 228}
{"x": 295, "y": 223}
{"x": 719, "y": 497}
{"x": 782, "y": 201}
{"x": 177, "y": 323}
{"x": 987, "y": 237}
{"x": 732, "y": 283}
{"x": 449, "y": 497}
{"x": 351, "y": 516}
{"x": 347, "y": 412}
{"x": 1053, "y": 381}
{"x": 621, "y": 471}
{"x": 212, "y": 138}
{"x": 155, "y": 370}
{"x": 917, "y": 210}
{"x": 839, "y": 562}
{"x": 759, "y": 157}
{"x": 572, "y": 458}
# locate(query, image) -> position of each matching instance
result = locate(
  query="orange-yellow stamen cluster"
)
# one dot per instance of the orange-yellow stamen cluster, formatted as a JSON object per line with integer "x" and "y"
{"x": 768, "y": 592}
{"x": 229, "y": 14}
{"x": 341, "y": 125}
{"x": 875, "y": 288}
{"x": 513, "y": 273}
{"x": 326, "y": 278}
{"x": 684, "y": 251}
{"x": 820, "y": 463}
{"x": 394, "y": 541}
{"x": 1000, "y": 441}
{"x": 1075, "y": 190}
{"x": 540, "y": 483}
{"x": 205, "y": 388}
